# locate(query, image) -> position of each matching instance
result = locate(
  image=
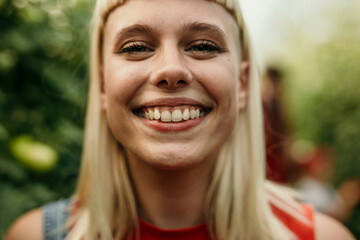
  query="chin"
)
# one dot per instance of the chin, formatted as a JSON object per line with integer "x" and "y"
{"x": 175, "y": 163}
{"x": 165, "y": 159}
{"x": 180, "y": 159}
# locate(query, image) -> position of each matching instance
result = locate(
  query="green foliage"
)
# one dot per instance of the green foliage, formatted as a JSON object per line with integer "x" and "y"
{"x": 325, "y": 98}
{"x": 43, "y": 72}
{"x": 327, "y": 107}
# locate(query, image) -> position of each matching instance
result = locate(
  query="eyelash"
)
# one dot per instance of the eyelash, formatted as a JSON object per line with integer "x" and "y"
{"x": 134, "y": 47}
{"x": 201, "y": 46}
{"x": 204, "y": 46}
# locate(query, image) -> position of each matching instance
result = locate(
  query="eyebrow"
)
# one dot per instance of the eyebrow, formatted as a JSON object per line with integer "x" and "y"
{"x": 136, "y": 28}
{"x": 198, "y": 27}
{"x": 190, "y": 27}
{"x": 132, "y": 30}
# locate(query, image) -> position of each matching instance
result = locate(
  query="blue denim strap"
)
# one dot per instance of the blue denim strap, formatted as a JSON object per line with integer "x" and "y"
{"x": 55, "y": 216}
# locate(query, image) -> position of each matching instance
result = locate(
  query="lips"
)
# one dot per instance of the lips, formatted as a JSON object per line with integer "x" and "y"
{"x": 172, "y": 110}
{"x": 172, "y": 114}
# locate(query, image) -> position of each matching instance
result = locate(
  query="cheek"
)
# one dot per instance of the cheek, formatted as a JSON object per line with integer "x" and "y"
{"x": 220, "y": 79}
{"x": 121, "y": 81}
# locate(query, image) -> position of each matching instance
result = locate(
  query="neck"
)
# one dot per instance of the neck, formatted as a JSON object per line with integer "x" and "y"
{"x": 170, "y": 199}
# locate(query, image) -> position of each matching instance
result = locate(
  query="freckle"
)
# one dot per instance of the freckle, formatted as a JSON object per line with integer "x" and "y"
{"x": 228, "y": 59}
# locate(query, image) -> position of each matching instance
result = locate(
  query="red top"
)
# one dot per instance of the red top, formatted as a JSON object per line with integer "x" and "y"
{"x": 151, "y": 232}
{"x": 304, "y": 231}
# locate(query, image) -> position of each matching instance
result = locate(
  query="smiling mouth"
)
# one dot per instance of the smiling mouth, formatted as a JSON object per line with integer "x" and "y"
{"x": 172, "y": 114}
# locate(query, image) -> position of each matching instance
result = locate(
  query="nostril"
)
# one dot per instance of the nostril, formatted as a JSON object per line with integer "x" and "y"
{"x": 181, "y": 82}
{"x": 163, "y": 83}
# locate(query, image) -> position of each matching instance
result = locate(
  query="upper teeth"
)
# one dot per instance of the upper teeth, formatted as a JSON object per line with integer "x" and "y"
{"x": 175, "y": 115}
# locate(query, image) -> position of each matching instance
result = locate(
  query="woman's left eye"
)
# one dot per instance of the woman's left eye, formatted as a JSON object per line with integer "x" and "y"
{"x": 203, "y": 46}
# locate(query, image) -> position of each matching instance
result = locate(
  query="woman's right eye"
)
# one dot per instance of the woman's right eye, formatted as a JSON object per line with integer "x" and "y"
{"x": 135, "y": 48}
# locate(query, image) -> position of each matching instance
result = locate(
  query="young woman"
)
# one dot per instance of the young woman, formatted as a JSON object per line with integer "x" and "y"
{"x": 174, "y": 145}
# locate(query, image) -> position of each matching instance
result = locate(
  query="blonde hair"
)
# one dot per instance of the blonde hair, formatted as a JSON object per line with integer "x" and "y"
{"x": 237, "y": 205}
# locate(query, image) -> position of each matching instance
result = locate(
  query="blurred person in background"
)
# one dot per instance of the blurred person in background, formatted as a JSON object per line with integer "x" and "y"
{"x": 315, "y": 185}
{"x": 277, "y": 127}
{"x": 150, "y": 170}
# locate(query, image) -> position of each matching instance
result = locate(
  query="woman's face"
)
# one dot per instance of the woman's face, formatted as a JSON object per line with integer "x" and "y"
{"x": 171, "y": 80}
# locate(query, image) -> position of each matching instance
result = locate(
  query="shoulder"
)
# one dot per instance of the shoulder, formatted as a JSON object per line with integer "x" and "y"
{"x": 327, "y": 228}
{"x": 301, "y": 219}
{"x": 28, "y": 226}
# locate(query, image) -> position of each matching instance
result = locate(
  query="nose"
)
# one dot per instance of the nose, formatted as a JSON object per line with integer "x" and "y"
{"x": 170, "y": 70}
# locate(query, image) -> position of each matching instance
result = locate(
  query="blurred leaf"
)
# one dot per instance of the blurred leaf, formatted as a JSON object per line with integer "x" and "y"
{"x": 8, "y": 60}
{"x": 12, "y": 171}
{"x": 4, "y": 135}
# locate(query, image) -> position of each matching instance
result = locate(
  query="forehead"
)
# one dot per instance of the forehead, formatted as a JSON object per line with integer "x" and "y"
{"x": 167, "y": 15}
